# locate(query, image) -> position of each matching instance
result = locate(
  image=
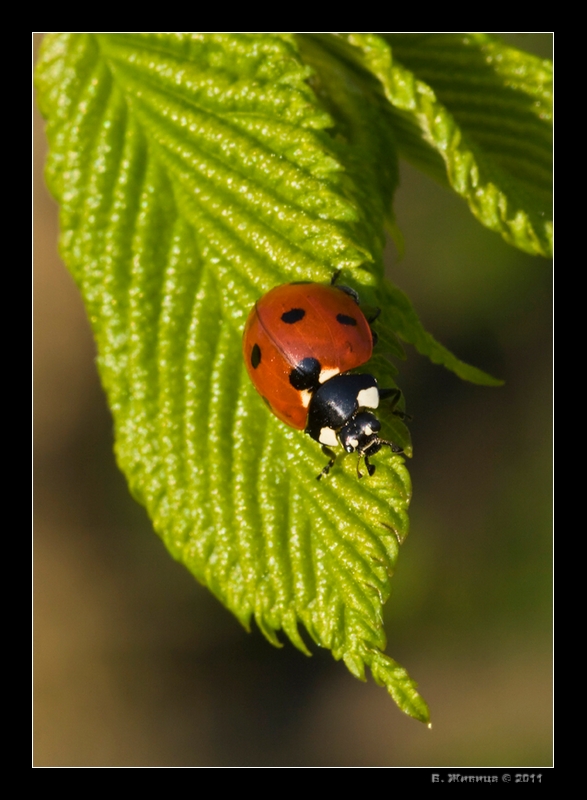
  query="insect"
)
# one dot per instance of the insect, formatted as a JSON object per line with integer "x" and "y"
{"x": 299, "y": 344}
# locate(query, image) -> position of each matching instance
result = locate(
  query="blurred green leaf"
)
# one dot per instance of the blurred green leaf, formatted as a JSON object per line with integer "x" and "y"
{"x": 194, "y": 173}
{"x": 472, "y": 112}
{"x": 405, "y": 322}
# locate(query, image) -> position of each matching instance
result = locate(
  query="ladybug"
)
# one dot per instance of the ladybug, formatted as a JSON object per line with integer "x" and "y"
{"x": 299, "y": 344}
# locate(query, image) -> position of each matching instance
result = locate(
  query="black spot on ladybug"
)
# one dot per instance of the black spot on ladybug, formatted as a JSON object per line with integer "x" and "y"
{"x": 255, "y": 356}
{"x": 306, "y": 374}
{"x": 346, "y": 320}
{"x": 293, "y": 315}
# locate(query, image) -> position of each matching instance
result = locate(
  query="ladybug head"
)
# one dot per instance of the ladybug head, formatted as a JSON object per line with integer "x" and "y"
{"x": 360, "y": 435}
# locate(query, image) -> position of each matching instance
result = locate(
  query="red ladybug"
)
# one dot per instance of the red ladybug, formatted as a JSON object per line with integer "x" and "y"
{"x": 299, "y": 343}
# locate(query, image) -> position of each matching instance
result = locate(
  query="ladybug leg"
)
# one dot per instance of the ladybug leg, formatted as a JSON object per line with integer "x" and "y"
{"x": 332, "y": 456}
{"x": 345, "y": 289}
{"x": 395, "y": 395}
{"x": 371, "y": 315}
{"x": 395, "y": 448}
{"x": 402, "y": 415}
{"x": 370, "y": 467}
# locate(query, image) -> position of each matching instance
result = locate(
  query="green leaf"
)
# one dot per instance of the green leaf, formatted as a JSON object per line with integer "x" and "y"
{"x": 473, "y": 113}
{"x": 194, "y": 173}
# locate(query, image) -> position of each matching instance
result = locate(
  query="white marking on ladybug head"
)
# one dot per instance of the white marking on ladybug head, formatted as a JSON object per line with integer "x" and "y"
{"x": 305, "y": 397}
{"x": 368, "y": 398}
{"x": 354, "y": 443}
{"x": 368, "y": 430}
{"x": 328, "y": 436}
{"x": 327, "y": 374}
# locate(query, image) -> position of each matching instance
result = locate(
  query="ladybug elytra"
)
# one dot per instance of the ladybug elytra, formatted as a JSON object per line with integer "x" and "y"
{"x": 299, "y": 344}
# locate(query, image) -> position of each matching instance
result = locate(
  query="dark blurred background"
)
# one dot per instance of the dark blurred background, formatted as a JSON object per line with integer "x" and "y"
{"x": 138, "y": 665}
